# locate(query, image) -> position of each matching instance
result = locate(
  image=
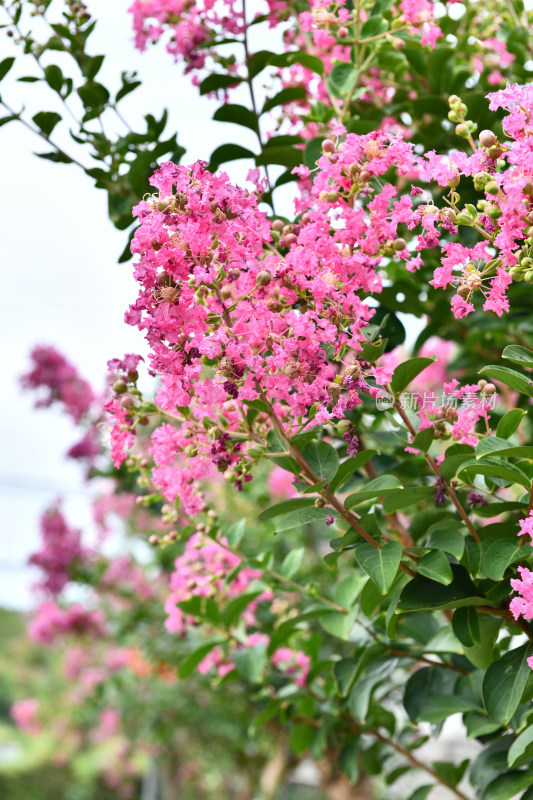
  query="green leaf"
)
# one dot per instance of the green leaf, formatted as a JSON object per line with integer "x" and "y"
{"x": 509, "y": 423}
{"x": 258, "y": 61}
{"x": 380, "y": 563}
{"x": 522, "y": 746}
{"x": 5, "y": 66}
{"x": 406, "y": 372}
{"x": 504, "y": 683}
{"x": 313, "y": 151}
{"x": 422, "y": 594}
{"x": 374, "y": 26}
{"x": 497, "y": 555}
{"x": 465, "y": 624}
{"x": 56, "y": 157}
{"x": 239, "y": 115}
{"x": 235, "y": 532}
{"x": 250, "y": 662}
{"x": 215, "y": 82}
{"x": 351, "y": 465}
{"x": 285, "y": 507}
{"x": 348, "y": 761}
{"x": 189, "y": 664}
{"x": 54, "y": 77}
{"x": 435, "y": 565}
{"x": 518, "y": 355}
{"x": 228, "y": 152}
{"x": 313, "y": 63}
{"x": 288, "y": 95}
{"x": 301, "y": 737}
{"x": 345, "y": 672}
{"x": 285, "y": 156}
{"x": 292, "y": 562}
{"x": 93, "y": 95}
{"x": 437, "y": 708}
{"x": 407, "y": 497}
{"x": 233, "y": 611}
{"x": 479, "y": 725}
{"x": 46, "y": 121}
{"x": 423, "y": 439}
{"x": 374, "y": 488}
{"x": 450, "y": 541}
{"x": 510, "y": 377}
{"x": 303, "y": 516}
{"x": 495, "y": 468}
{"x": 494, "y": 445}
{"x": 343, "y": 77}
{"x": 507, "y": 785}
{"x": 422, "y": 792}
{"x": 322, "y": 458}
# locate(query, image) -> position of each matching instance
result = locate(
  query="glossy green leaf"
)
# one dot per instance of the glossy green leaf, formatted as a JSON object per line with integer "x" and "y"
{"x": 348, "y": 467}
{"x": 285, "y": 507}
{"x": 406, "y": 372}
{"x": 518, "y": 355}
{"x": 498, "y": 554}
{"x": 521, "y": 747}
{"x": 507, "y": 785}
{"x": 374, "y": 488}
{"x": 422, "y": 594}
{"x": 509, "y": 423}
{"x": 504, "y": 682}
{"x": 322, "y": 458}
{"x": 303, "y": 516}
{"x": 510, "y": 378}
{"x": 450, "y": 541}
{"x": 407, "y": 497}
{"x": 250, "y": 662}
{"x": 239, "y": 115}
{"x": 423, "y": 439}
{"x": 437, "y": 708}
{"x": 435, "y": 565}
{"x": 465, "y": 624}
{"x": 343, "y": 77}
{"x": 494, "y": 468}
{"x": 380, "y": 563}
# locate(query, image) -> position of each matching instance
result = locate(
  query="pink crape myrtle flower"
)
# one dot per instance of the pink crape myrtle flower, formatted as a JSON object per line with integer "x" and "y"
{"x": 293, "y": 663}
{"x": 202, "y": 571}
{"x": 25, "y": 714}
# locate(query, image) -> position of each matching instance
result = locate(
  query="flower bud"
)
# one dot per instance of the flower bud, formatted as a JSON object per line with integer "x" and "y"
{"x": 153, "y": 540}
{"x": 399, "y": 244}
{"x": 516, "y": 273}
{"x": 319, "y": 502}
{"x": 493, "y": 211}
{"x": 462, "y": 130}
{"x": 343, "y": 32}
{"x": 328, "y": 146}
{"x": 397, "y": 43}
{"x": 495, "y": 151}
{"x": 491, "y": 187}
{"x": 278, "y": 225}
{"x": 487, "y": 138}
{"x": 464, "y": 218}
{"x": 290, "y": 239}
{"x": 120, "y": 387}
{"x": 263, "y": 278}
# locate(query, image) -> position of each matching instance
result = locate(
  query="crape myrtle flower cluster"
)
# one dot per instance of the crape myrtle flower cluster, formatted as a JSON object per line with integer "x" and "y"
{"x": 503, "y": 218}
{"x": 236, "y": 310}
